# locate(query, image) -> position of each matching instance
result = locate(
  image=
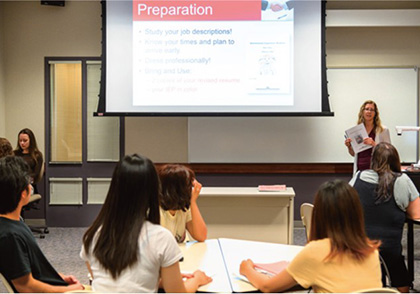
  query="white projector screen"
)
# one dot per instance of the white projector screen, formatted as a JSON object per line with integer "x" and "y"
{"x": 213, "y": 57}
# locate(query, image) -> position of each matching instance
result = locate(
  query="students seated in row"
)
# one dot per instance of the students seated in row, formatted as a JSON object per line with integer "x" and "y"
{"x": 22, "y": 262}
{"x": 125, "y": 248}
{"x": 387, "y": 197}
{"x": 179, "y": 210}
{"x": 339, "y": 257}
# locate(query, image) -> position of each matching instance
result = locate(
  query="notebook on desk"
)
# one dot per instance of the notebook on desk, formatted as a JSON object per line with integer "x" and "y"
{"x": 271, "y": 268}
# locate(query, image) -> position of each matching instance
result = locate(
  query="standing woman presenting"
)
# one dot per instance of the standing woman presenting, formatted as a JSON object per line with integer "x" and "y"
{"x": 369, "y": 116}
{"x": 28, "y": 150}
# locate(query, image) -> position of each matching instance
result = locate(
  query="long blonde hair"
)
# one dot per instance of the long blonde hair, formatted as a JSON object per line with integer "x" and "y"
{"x": 377, "y": 125}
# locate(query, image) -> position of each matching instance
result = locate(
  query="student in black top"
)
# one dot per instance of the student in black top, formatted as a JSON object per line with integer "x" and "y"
{"x": 387, "y": 197}
{"x": 22, "y": 262}
{"x": 27, "y": 148}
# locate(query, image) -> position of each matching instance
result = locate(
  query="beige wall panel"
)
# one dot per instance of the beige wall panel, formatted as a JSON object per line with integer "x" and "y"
{"x": 160, "y": 139}
{"x": 31, "y": 32}
{"x": 364, "y": 47}
{"x": 2, "y": 91}
{"x": 373, "y": 46}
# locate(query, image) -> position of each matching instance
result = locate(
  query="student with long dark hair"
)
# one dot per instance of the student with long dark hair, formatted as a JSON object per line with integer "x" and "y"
{"x": 126, "y": 248}
{"x": 387, "y": 197}
{"x": 27, "y": 148}
{"x": 339, "y": 257}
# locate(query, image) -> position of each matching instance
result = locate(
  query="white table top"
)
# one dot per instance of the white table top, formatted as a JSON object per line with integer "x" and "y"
{"x": 206, "y": 256}
{"x": 244, "y": 191}
{"x": 220, "y": 259}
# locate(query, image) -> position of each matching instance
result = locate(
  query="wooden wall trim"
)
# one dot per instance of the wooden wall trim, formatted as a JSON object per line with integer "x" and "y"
{"x": 269, "y": 168}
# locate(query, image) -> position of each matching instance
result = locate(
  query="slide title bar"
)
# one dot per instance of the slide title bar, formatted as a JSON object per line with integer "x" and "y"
{"x": 196, "y": 11}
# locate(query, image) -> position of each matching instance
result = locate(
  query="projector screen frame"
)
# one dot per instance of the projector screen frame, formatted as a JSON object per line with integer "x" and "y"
{"x": 325, "y": 105}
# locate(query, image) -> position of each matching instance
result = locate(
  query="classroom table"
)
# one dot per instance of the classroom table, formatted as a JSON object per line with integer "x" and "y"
{"x": 246, "y": 213}
{"x": 220, "y": 259}
{"x": 410, "y": 246}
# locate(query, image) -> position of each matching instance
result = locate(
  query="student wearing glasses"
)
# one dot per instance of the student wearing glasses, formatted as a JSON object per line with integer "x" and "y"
{"x": 369, "y": 116}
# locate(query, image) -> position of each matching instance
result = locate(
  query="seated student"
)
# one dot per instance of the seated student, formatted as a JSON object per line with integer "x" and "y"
{"x": 387, "y": 197}
{"x": 22, "y": 263}
{"x": 5, "y": 148}
{"x": 126, "y": 249}
{"x": 338, "y": 258}
{"x": 178, "y": 204}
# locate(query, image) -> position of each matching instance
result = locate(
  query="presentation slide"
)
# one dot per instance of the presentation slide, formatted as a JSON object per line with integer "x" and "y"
{"x": 212, "y": 57}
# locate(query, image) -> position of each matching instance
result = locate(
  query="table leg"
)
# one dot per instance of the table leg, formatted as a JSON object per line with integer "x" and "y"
{"x": 410, "y": 248}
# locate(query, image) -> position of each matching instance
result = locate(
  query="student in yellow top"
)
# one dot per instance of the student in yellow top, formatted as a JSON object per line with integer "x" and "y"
{"x": 179, "y": 211}
{"x": 339, "y": 257}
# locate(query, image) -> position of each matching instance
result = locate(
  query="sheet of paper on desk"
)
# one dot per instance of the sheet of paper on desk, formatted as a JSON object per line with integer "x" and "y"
{"x": 271, "y": 188}
{"x": 272, "y": 268}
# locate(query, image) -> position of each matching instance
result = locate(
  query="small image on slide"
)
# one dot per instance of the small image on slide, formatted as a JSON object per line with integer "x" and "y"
{"x": 269, "y": 71}
{"x": 276, "y": 10}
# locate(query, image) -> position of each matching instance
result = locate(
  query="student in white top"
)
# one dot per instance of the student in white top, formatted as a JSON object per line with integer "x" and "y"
{"x": 179, "y": 211}
{"x": 125, "y": 249}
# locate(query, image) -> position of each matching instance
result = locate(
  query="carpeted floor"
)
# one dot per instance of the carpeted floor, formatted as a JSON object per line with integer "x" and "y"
{"x": 62, "y": 248}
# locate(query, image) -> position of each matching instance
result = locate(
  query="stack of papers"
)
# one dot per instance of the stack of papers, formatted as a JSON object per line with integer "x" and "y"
{"x": 271, "y": 188}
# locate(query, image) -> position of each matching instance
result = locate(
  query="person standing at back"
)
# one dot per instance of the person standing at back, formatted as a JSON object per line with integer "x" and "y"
{"x": 388, "y": 197}
{"x": 27, "y": 148}
{"x": 369, "y": 116}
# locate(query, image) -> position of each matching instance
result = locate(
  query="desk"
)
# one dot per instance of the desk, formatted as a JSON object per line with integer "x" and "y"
{"x": 415, "y": 177}
{"x": 220, "y": 259}
{"x": 410, "y": 246}
{"x": 246, "y": 213}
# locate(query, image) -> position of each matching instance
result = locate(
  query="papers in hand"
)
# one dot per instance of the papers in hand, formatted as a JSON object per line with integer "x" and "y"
{"x": 357, "y": 134}
{"x": 271, "y": 268}
{"x": 271, "y": 188}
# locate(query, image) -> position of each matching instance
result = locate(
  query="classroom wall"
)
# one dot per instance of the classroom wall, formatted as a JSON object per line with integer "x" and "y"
{"x": 2, "y": 86}
{"x": 31, "y": 32}
{"x": 364, "y": 47}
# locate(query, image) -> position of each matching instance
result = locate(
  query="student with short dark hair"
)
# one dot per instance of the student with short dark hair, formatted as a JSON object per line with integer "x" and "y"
{"x": 22, "y": 262}
{"x": 339, "y": 257}
{"x": 179, "y": 211}
{"x": 125, "y": 248}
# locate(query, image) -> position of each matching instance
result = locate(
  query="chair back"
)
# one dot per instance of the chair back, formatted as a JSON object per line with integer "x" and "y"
{"x": 306, "y": 216}
{"x": 6, "y": 284}
{"x": 40, "y": 175}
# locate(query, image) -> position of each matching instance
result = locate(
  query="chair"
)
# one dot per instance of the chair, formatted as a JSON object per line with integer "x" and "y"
{"x": 378, "y": 290}
{"x": 6, "y": 284}
{"x": 306, "y": 216}
{"x": 33, "y": 204}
